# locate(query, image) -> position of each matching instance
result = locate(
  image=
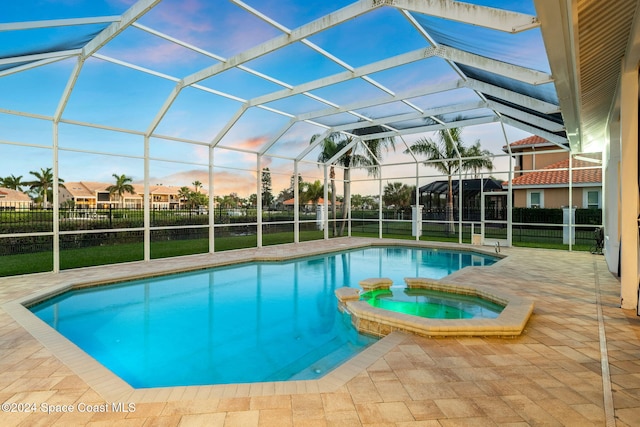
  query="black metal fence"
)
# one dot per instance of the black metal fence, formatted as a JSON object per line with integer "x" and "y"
{"x": 121, "y": 229}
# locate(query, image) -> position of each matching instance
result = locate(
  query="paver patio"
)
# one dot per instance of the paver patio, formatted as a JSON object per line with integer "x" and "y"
{"x": 555, "y": 373}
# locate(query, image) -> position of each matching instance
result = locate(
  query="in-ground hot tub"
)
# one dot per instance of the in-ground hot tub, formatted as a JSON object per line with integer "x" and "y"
{"x": 493, "y": 312}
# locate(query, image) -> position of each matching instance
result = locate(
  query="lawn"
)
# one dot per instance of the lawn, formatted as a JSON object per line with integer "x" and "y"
{"x": 11, "y": 265}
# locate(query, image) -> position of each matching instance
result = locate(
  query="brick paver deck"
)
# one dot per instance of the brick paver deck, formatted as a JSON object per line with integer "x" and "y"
{"x": 576, "y": 364}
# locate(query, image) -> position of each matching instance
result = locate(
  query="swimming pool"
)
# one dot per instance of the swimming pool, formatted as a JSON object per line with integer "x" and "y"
{"x": 265, "y": 321}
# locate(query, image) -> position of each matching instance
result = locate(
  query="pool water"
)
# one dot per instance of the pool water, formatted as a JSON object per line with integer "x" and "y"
{"x": 251, "y": 322}
{"x": 433, "y": 304}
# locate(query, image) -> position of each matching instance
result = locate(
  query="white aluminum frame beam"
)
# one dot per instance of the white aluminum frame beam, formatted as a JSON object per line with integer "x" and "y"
{"x": 412, "y": 116}
{"x": 313, "y": 145}
{"x": 523, "y": 74}
{"x": 53, "y": 23}
{"x": 321, "y": 51}
{"x": 432, "y": 128}
{"x": 222, "y": 59}
{"x": 34, "y": 64}
{"x": 60, "y": 54}
{"x": 344, "y": 76}
{"x": 128, "y": 18}
{"x": 349, "y": 12}
{"x": 526, "y": 117}
{"x": 343, "y": 151}
{"x": 551, "y": 137}
{"x": 413, "y": 93}
{"x": 513, "y": 97}
{"x": 488, "y": 17}
{"x": 309, "y": 29}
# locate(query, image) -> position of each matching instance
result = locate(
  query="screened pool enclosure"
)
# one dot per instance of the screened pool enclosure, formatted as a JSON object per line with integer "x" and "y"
{"x": 150, "y": 129}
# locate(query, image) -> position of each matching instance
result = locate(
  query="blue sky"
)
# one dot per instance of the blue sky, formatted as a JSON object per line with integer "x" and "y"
{"x": 111, "y": 95}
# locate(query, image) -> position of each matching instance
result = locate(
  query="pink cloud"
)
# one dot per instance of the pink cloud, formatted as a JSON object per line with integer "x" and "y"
{"x": 251, "y": 143}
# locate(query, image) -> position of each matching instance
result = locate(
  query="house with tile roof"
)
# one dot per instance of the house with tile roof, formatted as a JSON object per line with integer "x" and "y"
{"x": 541, "y": 176}
{"x": 13, "y": 200}
{"x": 95, "y": 195}
{"x": 289, "y": 203}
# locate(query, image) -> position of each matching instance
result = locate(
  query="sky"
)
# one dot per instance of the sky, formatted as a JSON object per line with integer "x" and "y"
{"x": 116, "y": 97}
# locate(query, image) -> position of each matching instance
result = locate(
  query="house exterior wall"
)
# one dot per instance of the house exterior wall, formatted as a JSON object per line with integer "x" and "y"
{"x": 14, "y": 205}
{"x": 555, "y": 198}
{"x": 540, "y": 159}
{"x": 519, "y": 198}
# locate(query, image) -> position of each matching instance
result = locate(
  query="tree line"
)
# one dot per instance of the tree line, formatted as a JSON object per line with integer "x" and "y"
{"x": 358, "y": 148}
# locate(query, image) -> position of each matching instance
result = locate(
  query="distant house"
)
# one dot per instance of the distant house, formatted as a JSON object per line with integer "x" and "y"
{"x": 12, "y": 200}
{"x": 289, "y": 203}
{"x": 95, "y": 195}
{"x": 541, "y": 178}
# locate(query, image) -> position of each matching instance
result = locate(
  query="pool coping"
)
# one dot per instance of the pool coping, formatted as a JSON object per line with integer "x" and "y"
{"x": 113, "y": 388}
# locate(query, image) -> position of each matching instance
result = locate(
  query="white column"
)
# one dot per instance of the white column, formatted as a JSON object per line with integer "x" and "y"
{"x": 326, "y": 202}
{"x": 380, "y": 205}
{"x": 320, "y": 216}
{"x": 145, "y": 202}
{"x": 460, "y": 197}
{"x": 212, "y": 210}
{"x": 55, "y": 201}
{"x": 629, "y": 189}
{"x": 259, "y": 200}
{"x": 510, "y": 204}
{"x": 611, "y": 198}
{"x": 416, "y": 226}
{"x": 568, "y": 219}
{"x": 572, "y": 211}
{"x": 296, "y": 204}
{"x": 418, "y": 234}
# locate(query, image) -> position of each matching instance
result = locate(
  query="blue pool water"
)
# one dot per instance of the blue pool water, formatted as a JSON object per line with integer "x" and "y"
{"x": 253, "y": 322}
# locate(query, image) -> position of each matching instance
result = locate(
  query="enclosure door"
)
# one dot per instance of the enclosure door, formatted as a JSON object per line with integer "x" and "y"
{"x": 496, "y": 227}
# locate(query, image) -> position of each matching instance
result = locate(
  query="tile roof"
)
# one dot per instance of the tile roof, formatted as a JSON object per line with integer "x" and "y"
{"x": 79, "y": 189}
{"x": 532, "y": 141}
{"x": 290, "y": 202}
{"x": 8, "y": 195}
{"x": 549, "y": 176}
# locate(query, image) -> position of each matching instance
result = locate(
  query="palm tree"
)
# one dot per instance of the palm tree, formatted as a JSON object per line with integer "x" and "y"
{"x": 478, "y": 159}
{"x": 197, "y": 185}
{"x": 365, "y": 154}
{"x": 313, "y": 192}
{"x": 43, "y": 184}
{"x": 329, "y": 149}
{"x": 397, "y": 194}
{"x": 12, "y": 182}
{"x": 449, "y": 156}
{"x": 121, "y": 186}
{"x": 184, "y": 195}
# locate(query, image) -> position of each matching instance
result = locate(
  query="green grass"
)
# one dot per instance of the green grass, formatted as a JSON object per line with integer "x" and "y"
{"x": 11, "y": 265}
{"x": 542, "y": 245}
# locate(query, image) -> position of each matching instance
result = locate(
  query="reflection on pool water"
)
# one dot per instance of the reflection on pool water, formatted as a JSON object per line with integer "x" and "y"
{"x": 432, "y": 304}
{"x": 250, "y": 322}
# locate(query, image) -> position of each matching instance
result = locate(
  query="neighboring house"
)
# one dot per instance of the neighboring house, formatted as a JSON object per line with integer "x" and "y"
{"x": 289, "y": 203}
{"x": 162, "y": 197}
{"x": 541, "y": 179}
{"x": 12, "y": 200}
{"x": 94, "y": 195}
{"x": 533, "y": 153}
{"x": 85, "y": 194}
